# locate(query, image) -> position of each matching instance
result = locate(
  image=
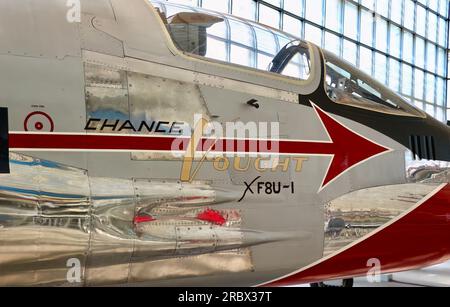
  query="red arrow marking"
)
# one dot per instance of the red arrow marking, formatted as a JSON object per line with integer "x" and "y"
{"x": 347, "y": 148}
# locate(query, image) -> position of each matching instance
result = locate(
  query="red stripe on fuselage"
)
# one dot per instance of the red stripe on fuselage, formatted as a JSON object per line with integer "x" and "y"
{"x": 94, "y": 142}
{"x": 165, "y": 143}
{"x": 89, "y": 142}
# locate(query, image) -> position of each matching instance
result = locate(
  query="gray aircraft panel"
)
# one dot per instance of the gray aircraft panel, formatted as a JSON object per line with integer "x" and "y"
{"x": 45, "y": 31}
{"x": 54, "y": 86}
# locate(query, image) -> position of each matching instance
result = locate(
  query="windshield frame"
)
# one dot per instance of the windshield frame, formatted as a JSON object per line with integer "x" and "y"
{"x": 284, "y": 57}
{"x": 406, "y": 109}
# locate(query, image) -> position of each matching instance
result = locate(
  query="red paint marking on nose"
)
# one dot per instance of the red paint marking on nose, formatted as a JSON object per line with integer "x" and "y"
{"x": 212, "y": 216}
{"x": 143, "y": 219}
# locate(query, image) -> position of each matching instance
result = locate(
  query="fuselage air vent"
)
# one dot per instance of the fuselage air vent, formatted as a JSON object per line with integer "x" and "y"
{"x": 422, "y": 147}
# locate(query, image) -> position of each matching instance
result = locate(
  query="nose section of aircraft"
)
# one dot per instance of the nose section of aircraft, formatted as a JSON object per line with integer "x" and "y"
{"x": 384, "y": 229}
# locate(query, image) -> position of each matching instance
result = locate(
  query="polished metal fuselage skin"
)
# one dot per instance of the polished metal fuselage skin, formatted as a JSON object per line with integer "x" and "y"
{"x": 61, "y": 210}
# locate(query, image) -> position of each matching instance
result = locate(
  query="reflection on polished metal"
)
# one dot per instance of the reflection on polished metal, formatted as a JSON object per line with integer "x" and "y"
{"x": 358, "y": 214}
{"x": 45, "y": 220}
{"x": 120, "y": 101}
{"x": 425, "y": 171}
{"x": 106, "y": 95}
{"x": 166, "y": 101}
{"x": 120, "y": 230}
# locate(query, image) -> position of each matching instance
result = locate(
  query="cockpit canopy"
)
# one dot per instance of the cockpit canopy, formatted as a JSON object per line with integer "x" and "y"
{"x": 216, "y": 36}
{"x": 230, "y": 39}
{"x": 188, "y": 30}
{"x": 347, "y": 85}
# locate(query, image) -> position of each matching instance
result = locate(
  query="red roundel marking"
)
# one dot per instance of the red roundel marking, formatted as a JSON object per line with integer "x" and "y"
{"x": 39, "y": 121}
{"x": 38, "y": 126}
